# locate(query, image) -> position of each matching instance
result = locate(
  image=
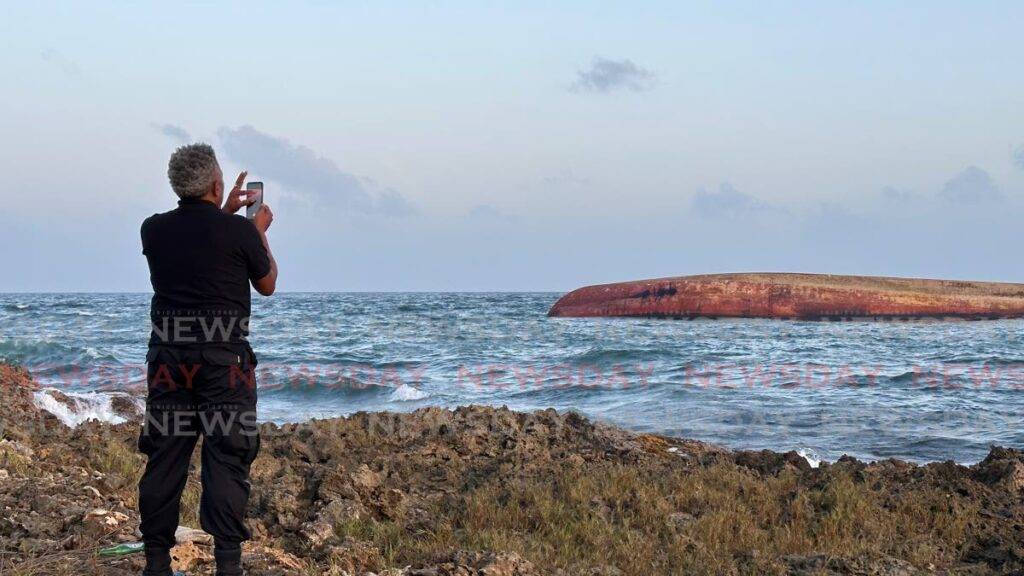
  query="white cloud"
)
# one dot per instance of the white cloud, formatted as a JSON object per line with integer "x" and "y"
{"x": 301, "y": 170}
{"x": 606, "y": 75}
{"x": 971, "y": 186}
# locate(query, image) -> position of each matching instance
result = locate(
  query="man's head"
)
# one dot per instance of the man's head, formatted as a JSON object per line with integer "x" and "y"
{"x": 195, "y": 173}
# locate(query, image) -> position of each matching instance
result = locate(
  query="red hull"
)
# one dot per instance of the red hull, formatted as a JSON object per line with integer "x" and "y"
{"x": 796, "y": 296}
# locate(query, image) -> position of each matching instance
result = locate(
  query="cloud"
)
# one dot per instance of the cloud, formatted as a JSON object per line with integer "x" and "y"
{"x": 607, "y": 75}
{"x": 971, "y": 186}
{"x": 176, "y": 133}
{"x": 1017, "y": 156}
{"x": 301, "y": 170}
{"x": 727, "y": 202}
{"x": 898, "y": 194}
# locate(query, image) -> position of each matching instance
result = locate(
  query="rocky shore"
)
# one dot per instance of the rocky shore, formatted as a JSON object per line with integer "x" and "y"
{"x": 482, "y": 490}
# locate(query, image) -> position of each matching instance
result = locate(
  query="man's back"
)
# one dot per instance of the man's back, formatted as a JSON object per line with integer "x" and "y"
{"x": 201, "y": 261}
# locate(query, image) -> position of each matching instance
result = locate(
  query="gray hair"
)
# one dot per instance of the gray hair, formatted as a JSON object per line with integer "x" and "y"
{"x": 192, "y": 170}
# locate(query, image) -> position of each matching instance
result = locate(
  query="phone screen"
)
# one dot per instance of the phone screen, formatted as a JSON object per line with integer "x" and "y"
{"x": 252, "y": 209}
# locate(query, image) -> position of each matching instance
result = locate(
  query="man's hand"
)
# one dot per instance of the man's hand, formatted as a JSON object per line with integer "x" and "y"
{"x": 268, "y": 284}
{"x": 263, "y": 218}
{"x": 238, "y": 197}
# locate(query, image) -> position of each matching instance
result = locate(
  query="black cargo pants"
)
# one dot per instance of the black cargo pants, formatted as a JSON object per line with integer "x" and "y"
{"x": 193, "y": 392}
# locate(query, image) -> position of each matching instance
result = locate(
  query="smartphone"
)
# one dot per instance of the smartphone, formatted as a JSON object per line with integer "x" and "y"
{"x": 252, "y": 209}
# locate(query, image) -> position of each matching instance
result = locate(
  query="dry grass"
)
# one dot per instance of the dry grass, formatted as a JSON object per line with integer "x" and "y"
{"x": 12, "y": 460}
{"x": 124, "y": 459}
{"x": 714, "y": 520}
{"x": 115, "y": 457}
{"x": 84, "y": 560}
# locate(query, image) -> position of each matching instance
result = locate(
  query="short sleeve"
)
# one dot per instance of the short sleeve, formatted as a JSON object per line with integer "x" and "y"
{"x": 144, "y": 234}
{"x": 257, "y": 262}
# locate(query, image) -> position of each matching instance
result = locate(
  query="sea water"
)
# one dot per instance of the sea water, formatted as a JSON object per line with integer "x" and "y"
{"x": 920, "y": 391}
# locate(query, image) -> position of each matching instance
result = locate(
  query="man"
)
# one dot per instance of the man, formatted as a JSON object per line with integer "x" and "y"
{"x": 201, "y": 369}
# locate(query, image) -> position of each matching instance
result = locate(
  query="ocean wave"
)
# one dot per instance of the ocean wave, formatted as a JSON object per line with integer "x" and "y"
{"x": 406, "y": 393}
{"x": 605, "y": 356}
{"x": 74, "y": 408}
{"x": 904, "y": 377}
{"x": 811, "y": 456}
{"x": 292, "y": 392}
{"x": 17, "y": 307}
{"x": 72, "y": 304}
{"x": 564, "y": 394}
{"x": 975, "y": 359}
{"x": 52, "y": 354}
{"x": 989, "y": 377}
{"x": 313, "y": 389}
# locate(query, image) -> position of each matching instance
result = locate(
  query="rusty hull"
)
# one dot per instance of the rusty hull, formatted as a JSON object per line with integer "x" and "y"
{"x": 795, "y": 296}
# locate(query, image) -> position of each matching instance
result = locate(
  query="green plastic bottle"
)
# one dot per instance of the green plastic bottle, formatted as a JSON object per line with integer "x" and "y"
{"x": 123, "y": 549}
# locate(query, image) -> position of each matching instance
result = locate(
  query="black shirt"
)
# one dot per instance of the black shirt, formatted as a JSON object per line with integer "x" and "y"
{"x": 201, "y": 260}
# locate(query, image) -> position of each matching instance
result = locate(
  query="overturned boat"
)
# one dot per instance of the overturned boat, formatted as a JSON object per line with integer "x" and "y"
{"x": 797, "y": 297}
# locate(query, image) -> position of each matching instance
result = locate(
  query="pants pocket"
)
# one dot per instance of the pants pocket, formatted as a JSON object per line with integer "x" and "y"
{"x": 253, "y": 450}
{"x": 241, "y": 442}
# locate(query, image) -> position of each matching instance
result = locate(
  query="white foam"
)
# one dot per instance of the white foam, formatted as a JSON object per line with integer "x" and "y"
{"x": 406, "y": 393}
{"x": 811, "y": 456}
{"x": 87, "y": 406}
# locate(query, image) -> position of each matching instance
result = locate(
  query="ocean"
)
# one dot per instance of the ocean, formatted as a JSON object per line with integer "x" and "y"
{"x": 919, "y": 391}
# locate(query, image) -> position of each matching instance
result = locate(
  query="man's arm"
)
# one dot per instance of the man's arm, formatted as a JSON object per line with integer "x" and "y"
{"x": 268, "y": 283}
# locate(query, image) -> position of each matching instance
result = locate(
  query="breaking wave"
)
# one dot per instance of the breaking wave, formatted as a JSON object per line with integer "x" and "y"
{"x": 74, "y": 408}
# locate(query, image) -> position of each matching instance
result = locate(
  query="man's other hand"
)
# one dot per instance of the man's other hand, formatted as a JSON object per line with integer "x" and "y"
{"x": 238, "y": 198}
{"x": 264, "y": 217}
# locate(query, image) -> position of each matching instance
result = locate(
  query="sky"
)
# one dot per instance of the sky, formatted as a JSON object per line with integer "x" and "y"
{"x": 428, "y": 146}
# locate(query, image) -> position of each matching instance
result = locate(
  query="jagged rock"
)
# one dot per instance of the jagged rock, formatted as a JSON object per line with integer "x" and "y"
{"x": 110, "y": 483}
{"x": 341, "y": 512}
{"x": 365, "y": 481}
{"x": 93, "y": 491}
{"x": 1002, "y": 466}
{"x": 103, "y": 521}
{"x": 17, "y": 449}
{"x": 64, "y": 491}
{"x": 189, "y": 556}
{"x": 388, "y": 503}
{"x": 254, "y": 554}
{"x": 317, "y": 534}
{"x": 20, "y": 419}
{"x": 126, "y": 407}
{"x": 337, "y": 485}
{"x": 771, "y": 463}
